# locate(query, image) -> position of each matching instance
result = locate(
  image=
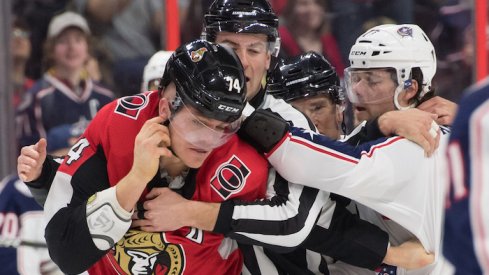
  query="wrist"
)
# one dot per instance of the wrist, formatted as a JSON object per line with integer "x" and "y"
{"x": 390, "y": 254}
{"x": 137, "y": 176}
{"x": 202, "y": 215}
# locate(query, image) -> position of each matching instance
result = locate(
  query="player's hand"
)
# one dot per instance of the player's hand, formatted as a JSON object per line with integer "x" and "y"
{"x": 413, "y": 124}
{"x": 163, "y": 209}
{"x": 409, "y": 255}
{"x": 30, "y": 161}
{"x": 150, "y": 145}
{"x": 443, "y": 108}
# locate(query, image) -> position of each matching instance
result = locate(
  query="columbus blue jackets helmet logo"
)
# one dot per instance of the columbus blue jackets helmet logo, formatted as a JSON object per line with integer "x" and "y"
{"x": 142, "y": 252}
{"x": 197, "y": 55}
{"x": 230, "y": 177}
{"x": 405, "y": 31}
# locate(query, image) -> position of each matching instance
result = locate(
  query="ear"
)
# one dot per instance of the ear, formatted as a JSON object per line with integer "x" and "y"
{"x": 269, "y": 58}
{"x": 164, "y": 108}
{"x": 339, "y": 114}
{"x": 408, "y": 93}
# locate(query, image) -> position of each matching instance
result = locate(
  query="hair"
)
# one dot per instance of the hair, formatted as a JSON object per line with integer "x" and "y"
{"x": 289, "y": 18}
{"x": 48, "y": 60}
{"x": 20, "y": 23}
{"x": 417, "y": 75}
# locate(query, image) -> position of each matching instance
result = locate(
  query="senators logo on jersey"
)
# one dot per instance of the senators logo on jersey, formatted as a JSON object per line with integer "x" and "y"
{"x": 230, "y": 177}
{"x": 142, "y": 252}
{"x": 130, "y": 106}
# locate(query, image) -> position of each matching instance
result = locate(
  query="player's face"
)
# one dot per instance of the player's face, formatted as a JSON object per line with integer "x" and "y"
{"x": 322, "y": 112}
{"x": 194, "y": 136}
{"x": 71, "y": 49}
{"x": 371, "y": 92}
{"x": 252, "y": 50}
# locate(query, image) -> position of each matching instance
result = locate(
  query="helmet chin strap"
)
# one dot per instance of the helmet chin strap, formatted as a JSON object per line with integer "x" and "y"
{"x": 398, "y": 91}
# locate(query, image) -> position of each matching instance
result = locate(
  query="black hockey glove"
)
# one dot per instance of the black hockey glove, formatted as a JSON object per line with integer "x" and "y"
{"x": 263, "y": 129}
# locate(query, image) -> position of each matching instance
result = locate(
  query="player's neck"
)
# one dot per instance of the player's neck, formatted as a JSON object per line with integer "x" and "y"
{"x": 174, "y": 167}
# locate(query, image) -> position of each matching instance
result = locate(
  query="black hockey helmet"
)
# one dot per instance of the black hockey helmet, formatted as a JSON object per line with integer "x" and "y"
{"x": 303, "y": 76}
{"x": 208, "y": 77}
{"x": 242, "y": 16}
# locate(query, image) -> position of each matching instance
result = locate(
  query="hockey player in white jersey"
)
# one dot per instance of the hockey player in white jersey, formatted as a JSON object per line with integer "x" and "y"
{"x": 391, "y": 68}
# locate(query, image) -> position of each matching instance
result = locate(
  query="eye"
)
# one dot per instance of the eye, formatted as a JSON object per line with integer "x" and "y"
{"x": 221, "y": 128}
{"x": 373, "y": 80}
{"x": 355, "y": 78}
{"x": 197, "y": 123}
{"x": 253, "y": 52}
{"x": 317, "y": 107}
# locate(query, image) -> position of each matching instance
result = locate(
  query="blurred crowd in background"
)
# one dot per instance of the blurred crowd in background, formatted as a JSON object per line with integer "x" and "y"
{"x": 105, "y": 55}
{"x": 125, "y": 33}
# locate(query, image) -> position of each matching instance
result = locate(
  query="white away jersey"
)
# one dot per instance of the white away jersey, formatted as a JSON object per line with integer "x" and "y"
{"x": 390, "y": 175}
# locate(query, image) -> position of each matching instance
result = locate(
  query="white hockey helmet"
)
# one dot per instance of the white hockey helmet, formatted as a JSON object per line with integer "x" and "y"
{"x": 401, "y": 47}
{"x": 155, "y": 68}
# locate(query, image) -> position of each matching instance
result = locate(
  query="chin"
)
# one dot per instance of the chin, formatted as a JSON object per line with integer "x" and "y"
{"x": 195, "y": 159}
{"x": 195, "y": 163}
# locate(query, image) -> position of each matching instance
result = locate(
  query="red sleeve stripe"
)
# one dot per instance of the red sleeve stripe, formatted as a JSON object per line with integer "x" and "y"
{"x": 324, "y": 150}
{"x": 380, "y": 145}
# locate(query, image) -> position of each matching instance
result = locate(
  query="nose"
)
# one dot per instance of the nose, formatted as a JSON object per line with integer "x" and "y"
{"x": 243, "y": 57}
{"x": 207, "y": 142}
{"x": 359, "y": 88}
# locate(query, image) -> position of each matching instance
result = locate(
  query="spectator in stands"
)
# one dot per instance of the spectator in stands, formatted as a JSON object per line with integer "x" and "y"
{"x": 37, "y": 14}
{"x": 66, "y": 93}
{"x": 306, "y": 28}
{"x": 350, "y": 15}
{"x": 21, "y": 50}
{"x": 130, "y": 30}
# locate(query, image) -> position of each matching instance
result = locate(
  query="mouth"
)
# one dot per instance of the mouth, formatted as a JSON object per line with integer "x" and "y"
{"x": 360, "y": 109}
{"x": 199, "y": 150}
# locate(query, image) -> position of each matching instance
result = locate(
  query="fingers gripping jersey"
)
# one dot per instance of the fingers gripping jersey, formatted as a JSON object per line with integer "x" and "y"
{"x": 232, "y": 171}
{"x": 101, "y": 158}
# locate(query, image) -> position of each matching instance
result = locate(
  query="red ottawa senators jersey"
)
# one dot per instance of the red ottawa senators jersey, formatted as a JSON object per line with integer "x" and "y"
{"x": 233, "y": 171}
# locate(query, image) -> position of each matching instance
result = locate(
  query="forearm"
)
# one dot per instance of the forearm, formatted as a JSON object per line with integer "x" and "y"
{"x": 281, "y": 222}
{"x": 69, "y": 242}
{"x": 201, "y": 215}
{"x": 408, "y": 255}
{"x": 78, "y": 200}
{"x": 129, "y": 189}
{"x": 48, "y": 171}
{"x": 39, "y": 188}
{"x": 349, "y": 239}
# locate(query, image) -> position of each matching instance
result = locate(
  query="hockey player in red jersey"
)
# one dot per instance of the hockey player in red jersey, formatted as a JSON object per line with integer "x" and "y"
{"x": 117, "y": 160}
